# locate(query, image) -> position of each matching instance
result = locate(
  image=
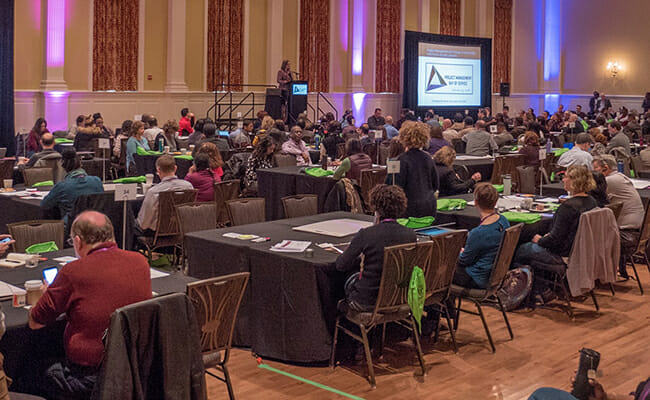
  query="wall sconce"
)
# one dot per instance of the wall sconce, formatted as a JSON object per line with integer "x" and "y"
{"x": 613, "y": 68}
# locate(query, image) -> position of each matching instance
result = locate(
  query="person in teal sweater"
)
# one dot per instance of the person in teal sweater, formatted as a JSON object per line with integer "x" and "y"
{"x": 135, "y": 140}
{"x": 76, "y": 183}
{"x": 476, "y": 260}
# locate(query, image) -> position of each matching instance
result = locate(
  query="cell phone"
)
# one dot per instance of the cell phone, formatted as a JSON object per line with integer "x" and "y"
{"x": 5, "y": 240}
{"x": 49, "y": 274}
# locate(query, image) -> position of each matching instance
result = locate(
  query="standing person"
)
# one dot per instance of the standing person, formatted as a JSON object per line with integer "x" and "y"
{"x": 417, "y": 175}
{"x": 186, "y": 122}
{"x": 284, "y": 76}
{"x": 34, "y": 139}
{"x": 295, "y": 146}
{"x": 88, "y": 291}
{"x": 593, "y": 104}
{"x": 135, "y": 141}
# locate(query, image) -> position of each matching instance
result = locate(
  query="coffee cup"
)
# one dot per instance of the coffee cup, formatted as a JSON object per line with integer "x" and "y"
{"x": 527, "y": 204}
{"x": 166, "y": 149}
{"x": 149, "y": 178}
{"x": 7, "y": 183}
{"x": 34, "y": 293}
{"x": 191, "y": 148}
{"x": 184, "y": 151}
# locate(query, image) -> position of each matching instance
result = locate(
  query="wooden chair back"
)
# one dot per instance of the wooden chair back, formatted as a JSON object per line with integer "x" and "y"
{"x": 27, "y": 233}
{"x": 340, "y": 151}
{"x": 459, "y": 145}
{"x": 504, "y": 256}
{"x": 224, "y": 191}
{"x": 371, "y": 150}
{"x": 167, "y": 219}
{"x": 645, "y": 231}
{"x": 217, "y": 301}
{"x": 36, "y": 175}
{"x": 506, "y": 165}
{"x": 369, "y": 179}
{"x": 384, "y": 152}
{"x": 462, "y": 171}
{"x": 193, "y": 217}
{"x": 300, "y": 205}
{"x": 246, "y": 211}
{"x": 284, "y": 160}
{"x": 6, "y": 169}
{"x": 440, "y": 272}
{"x": 527, "y": 177}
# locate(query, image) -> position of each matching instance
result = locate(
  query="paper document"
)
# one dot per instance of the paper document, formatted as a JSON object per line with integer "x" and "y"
{"x": 335, "y": 227}
{"x": 157, "y": 274}
{"x": 65, "y": 260}
{"x": 7, "y": 290}
{"x": 466, "y": 157}
{"x": 291, "y": 246}
{"x": 640, "y": 184}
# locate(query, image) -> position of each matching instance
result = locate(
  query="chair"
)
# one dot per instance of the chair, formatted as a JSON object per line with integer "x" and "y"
{"x": 36, "y": 175}
{"x": 459, "y": 145}
{"x": 499, "y": 269}
{"x": 616, "y": 208}
{"x": 368, "y": 180}
{"x": 622, "y": 156}
{"x": 284, "y": 160}
{"x": 194, "y": 217}
{"x": 120, "y": 165}
{"x": 224, "y": 191}
{"x": 641, "y": 247}
{"x": 6, "y": 169}
{"x": 300, "y": 205}
{"x": 168, "y": 232}
{"x": 3, "y": 152}
{"x": 462, "y": 171}
{"x": 246, "y": 211}
{"x": 507, "y": 165}
{"x": 27, "y": 233}
{"x": 371, "y": 150}
{"x": 384, "y": 152}
{"x": 561, "y": 273}
{"x": 527, "y": 179}
{"x": 106, "y": 204}
{"x": 340, "y": 151}
{"x": 392, "y": 301}
{"x": 216, "y": 301}
{"x": 440, "y": 274}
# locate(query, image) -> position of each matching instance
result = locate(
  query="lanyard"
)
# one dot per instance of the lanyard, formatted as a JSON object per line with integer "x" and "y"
{"x": 486, "y": 217}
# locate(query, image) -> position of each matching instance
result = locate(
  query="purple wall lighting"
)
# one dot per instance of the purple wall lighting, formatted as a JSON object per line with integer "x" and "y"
{"x": 55, "y": 33}
{"x": 358, "y": 35}
{"x": 358, "y": 106}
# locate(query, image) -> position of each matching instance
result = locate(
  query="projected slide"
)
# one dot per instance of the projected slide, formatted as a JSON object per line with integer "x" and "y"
{"x": 448, "y": 75}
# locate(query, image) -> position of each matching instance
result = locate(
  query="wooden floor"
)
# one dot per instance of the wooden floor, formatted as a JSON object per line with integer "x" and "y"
{"x": 544, "y": 352}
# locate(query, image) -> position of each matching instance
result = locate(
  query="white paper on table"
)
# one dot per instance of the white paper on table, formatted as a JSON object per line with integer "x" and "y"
{"x": 335, "y": 227}
{"x": 65, "y": 259}
{"x": 231, "y": 235}
{"x": 547, "y": 200}
{"x": 16, "y": 193}
{"x": 157, "y": 274}
{"x": 291, "y": 246}
{"x": 466, "y": 157}
{"x": 7, "y": 290}
{"x": 640, "y": 184}
{"x": 35, "y": 196}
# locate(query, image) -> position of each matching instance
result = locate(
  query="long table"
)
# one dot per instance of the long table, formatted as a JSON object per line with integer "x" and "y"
{"x": 557, "y": 189}
{"x": 482, "y": 165}
{"x": 275, "y": 183}
{"x": 289, "y": 308}
{"x": 23, "y": 348}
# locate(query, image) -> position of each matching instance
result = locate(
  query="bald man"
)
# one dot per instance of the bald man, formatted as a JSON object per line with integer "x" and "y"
{"x": 88, "y": 291}
{"x": 449, "y": 133}
{"x": 48, "y": 152}
{"x": 389, "y": 126}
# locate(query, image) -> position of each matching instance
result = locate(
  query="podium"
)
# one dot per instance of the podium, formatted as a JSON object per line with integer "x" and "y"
{"x": 297, "y": 100}
{"x": 273, "y": 103}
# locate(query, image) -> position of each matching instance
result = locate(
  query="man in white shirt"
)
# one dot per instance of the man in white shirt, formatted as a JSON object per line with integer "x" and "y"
{"x": 153, "y": 131}
{"x": 579, "y": 154}
{"x": 448, "y": 133}
{"x": 620, "y": 189}
{"x": 391, "y": 131}
{"x": 241, "y": 137}
{"x": 296, "y": 146}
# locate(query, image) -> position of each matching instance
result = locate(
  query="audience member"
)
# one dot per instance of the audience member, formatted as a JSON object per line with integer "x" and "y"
{"x": 458, "y": 124}
{"x": 87, "y": 291}
{"x": 76, "y": 183}
{"x": 267, "y": 124}
{"x": 361, "y": 290}
{"x": 579, "y": 154}
{"x": 186, "y": 122}
{"x": 436, "y": 142}
{"x": 376, "y": 121}
{"x": 530, "y": 150}
{"x": 448, "y": 133}
{"x": 330, "y": 143}
{"x": 258, "y": 121}
{"x": 124, "y": 134}
{"x": 210, "y": 132}
{"x": 33, "y": 144}
{"x": 295, "y": 146}
{"x": 148, "y": 215}
{"x": 72, "y": 132}
{"x": 479, "y": 142}
{"x": 391, "y": 131}
{"x": 153, "y": 130}
{"x": 572, "y": 125}
{"x": 618, "y": 139}
{"x": 203, "y": 179}
{"x": 556, "y": 244}
{"x": 105, "y": 131}
{"x": 430, "y": 119}
{"x": 468, "y": 126}
{"x": 214, "y": 155}
{"x": 349, "y": 131}
{"x": 168, "y": 135}
{"x": 197, "y": 136}
{"x": 355, "y": 162}
{"x": 261, "y": 158}
{"x": 450, "y": 182}
{"x": 364, "y": 135}
{"x": 279, "y": 125}
{"x": 241, "y": 137}
{"x": 135, "y": 141}
{"x": 620, "y": 189}
{"x": 48, "y": 153}
{"x": 599, "y": 193}
{"x": 502, "y": 137}
{"x": 85, "y": 136}
{"x": 418, "y": 176}
{"x": 593, "y": 104}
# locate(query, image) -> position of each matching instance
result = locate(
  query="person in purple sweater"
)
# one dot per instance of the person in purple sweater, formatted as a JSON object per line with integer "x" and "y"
{"x": 203, "y": 179}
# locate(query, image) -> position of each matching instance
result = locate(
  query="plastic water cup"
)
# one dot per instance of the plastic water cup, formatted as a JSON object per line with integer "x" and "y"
{"x": 7, "y": 183}
{"x": 149, "y": 178}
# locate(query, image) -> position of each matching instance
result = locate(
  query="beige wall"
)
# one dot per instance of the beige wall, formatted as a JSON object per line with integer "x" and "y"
{"x": 155, "y": 45}
{"x": 257, "y": 35}
{"x": 28, "y": 46}
{"x": 194, "y": 44}
{"x": 78, "y": 44}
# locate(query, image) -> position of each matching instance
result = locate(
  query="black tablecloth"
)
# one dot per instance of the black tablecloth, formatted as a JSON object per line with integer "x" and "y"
{"x": 147, "y": 165}
{"x": 24, "y": 348}
{"x": 557, "y": 189}
{"x": 482, "y": 165}
{"x": 275, "y": 183}
{"x": 289, "y": 307}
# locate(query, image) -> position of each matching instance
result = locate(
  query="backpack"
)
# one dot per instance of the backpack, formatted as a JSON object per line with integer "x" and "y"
{"x": 516, "y": 287}
{"x": 643, "y": 391}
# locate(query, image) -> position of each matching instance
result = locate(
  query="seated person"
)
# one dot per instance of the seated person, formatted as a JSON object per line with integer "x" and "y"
{"x": 354, "y": 163}
{"x": 210, "y": 132}
{"x": 76, "y": 183}
{"x": 202, "y": 178}
{"x": 124, "y": 134}
{"x": 389, "y": 203}
{"x": 364, "y": 135}
{"x": 84, "y": 137}
{"x": 330, "y": 143}
{"x": 136, "y": 140}
{"x": 599, "y": 193}
{"x": 450, "y": 182}
{"x": 148, "y": 215}
{"x": 556, "y": 244}
{"x": 88, "y": 291}
{"x": 241, "y": 137}
{"x": 579, "y": 154}
{"x": 436, "y": 142}
{"x": 153, "y": 131}
{"x": 476, "y": 260}
{"x": 295, "y": 146}
{"x": 168, "y": 135}
{"x": 48, "y": 153}
{"x": 620, "y": 189}
{"x": 479, "y": 141}
{"x": 196, "y": 136}
{"x": 502, "y": 137}
{"x": 266, "y": 125}
{"x": 72, "y": 132}
{"x": 262, "y": 157}
{"x": 530, "y": 149}
{"x": 216, "y": 162}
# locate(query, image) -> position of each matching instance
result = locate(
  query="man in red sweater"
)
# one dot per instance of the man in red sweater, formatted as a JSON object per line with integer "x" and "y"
{"x": 186, "y": 122}
{"x": 88, "y": 290}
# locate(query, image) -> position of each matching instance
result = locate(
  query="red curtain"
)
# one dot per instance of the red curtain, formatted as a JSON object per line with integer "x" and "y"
{"x": 315, "y": 43}
{"x": 450, "y": 17}
{"x": 387, "y": 66}
{"x": 502, "y": 43}
{"x": 115, "y": 45}
{"x": 225, "y": 44}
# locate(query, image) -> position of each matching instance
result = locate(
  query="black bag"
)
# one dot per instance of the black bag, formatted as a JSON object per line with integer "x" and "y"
{"x": 516, "y": 287}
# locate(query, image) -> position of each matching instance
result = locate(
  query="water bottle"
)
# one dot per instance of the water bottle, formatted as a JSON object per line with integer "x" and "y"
{"x": 548, "y": 145}
{"x": 507, "y": 185}
{"x": 161, "y": 145}
{"x": 620, "y": 167}
{"x": 317, "y": 141}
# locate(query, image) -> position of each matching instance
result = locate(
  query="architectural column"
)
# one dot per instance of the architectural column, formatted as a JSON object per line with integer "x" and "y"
{"x": 176, "y": 46}
{"x": 53, "y": 85}
{"x": 274, "y": 40}
{"x": 424, "y": 16}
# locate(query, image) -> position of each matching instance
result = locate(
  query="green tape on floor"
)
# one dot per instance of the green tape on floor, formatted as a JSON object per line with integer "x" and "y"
{"x": 318, "y": 385}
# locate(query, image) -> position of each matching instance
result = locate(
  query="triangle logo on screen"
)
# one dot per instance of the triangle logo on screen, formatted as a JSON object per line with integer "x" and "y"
{"x": 435, "y": 79}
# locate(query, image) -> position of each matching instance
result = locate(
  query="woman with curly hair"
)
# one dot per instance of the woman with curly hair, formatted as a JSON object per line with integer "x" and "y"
{"x": 417, "y": 174}
{"x": 214, "y": 155}
{"x": 389, "y": 203}
{"x": 262, "y": 157}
